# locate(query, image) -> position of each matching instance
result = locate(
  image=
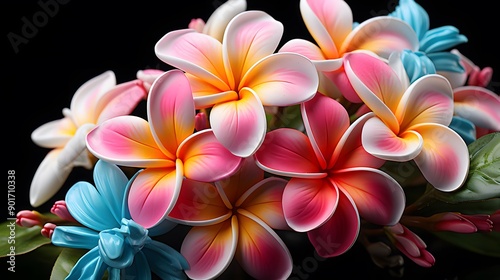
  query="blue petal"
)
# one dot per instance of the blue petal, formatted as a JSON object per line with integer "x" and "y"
{"x": 139, "y": 269}
{"x": 465, "y": 128}
{"x": 75, "y": 237}
{"x": 413, "y": 14}
{"x": 164, "y": 261}
{"x": 111, "y": 183}
{"x": 441, "y": 38}
{"x": 111, "y": 244}
{"x": 417, "y": 64}
{"x": 446, "y": 62}
{"x": 89, "y": 266}
{"x": 89, "y": 208}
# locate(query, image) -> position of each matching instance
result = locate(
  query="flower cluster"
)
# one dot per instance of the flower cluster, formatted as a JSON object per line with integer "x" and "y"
{"x": 243, "y": 141}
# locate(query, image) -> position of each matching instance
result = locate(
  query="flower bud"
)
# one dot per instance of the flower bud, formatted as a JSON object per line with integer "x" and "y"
{"x": 27, "y": 218}
{"x": 61, "y": 210}
{"x": 201, "y": 121}
{"x": 48, "y": 230}
{"x": 410, "y": 244}
{"x": 197, "y": 24}
{"x": 495, "y": 219}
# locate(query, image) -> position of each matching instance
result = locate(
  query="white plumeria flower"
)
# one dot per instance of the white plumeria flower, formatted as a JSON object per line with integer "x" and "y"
{"x": 95, "y": 101}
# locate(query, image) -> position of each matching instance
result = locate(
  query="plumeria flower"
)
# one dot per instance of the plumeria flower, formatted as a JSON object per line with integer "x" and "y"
{"x": 115, "y": 242}
{"x": 239, "y": 76}
{"x": 411, "y": 121}
{"x": 410, "y": 244}
{"x": 218, "y": 20}
{"x": 234, "y": 218}
{"x": 95, "y": 101}
{"x": 434, "y": 44}
{"x": 165, "y": 146}
{"x": 333, "y": 181}
{"x": 330, "y": 23}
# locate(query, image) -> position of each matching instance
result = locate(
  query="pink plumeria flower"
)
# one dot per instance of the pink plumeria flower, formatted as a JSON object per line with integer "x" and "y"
{"x": 410, "y": 244}
{"x": 95, "y": 101}
{"x": 330, "y": 23}
{"x": 239, "y": 76}
{"x": 411, "y": 121}
{"x": 333, "y": 181}
{"x": 219, "y": 19}
{"x": 165, "y": 147}
{"x": 234, "y": 217}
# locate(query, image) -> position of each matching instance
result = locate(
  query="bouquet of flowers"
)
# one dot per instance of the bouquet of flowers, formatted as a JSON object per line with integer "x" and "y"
{"x": 378, "y": 134}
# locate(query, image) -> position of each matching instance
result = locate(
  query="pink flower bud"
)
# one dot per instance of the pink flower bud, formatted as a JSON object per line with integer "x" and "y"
{"x": 451, "y": 221}
{"x": 27, "y": 218}
{"x": 61, "y": 210}
{"x": 495, "y": 219}
{"x": 410, "y": 244}
{"x": 197, "y": 24}
{"x": 201, "y": 121}
{"x": 48, "y": 230}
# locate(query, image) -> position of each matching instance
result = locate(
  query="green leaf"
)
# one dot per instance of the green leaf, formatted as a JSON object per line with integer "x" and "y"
{"x": 483, "y": 181}
{"x": 487, "y": 207}
{"x": 65, "y": 262}
{"x": 484, "y": 243}
{"x": 14, "y": 238}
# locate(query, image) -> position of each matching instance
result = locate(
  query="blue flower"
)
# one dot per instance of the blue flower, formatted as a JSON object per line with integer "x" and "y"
{"x": 116, "y": 243}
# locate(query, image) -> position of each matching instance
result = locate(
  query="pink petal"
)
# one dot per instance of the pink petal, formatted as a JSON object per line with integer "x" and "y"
{"x": 308, "y": 203}
{"x": 350, "y": 151}
{"x": 325, "y": 121}
{"x": 120, "y": 100}
{"x": 127, "y": 140}
{"x": 288, "y": 152}
{"x": 85, "y": 99}
{"x": 376, "y": 84}
{"x": 260, "y": 251}
{"x": 329, "y": 23}
{"x": 153, "y": 194}
{"x": 250, "y": 36}
{"x": 240, "y": 125}
{"x": 195, "y": 53}
{"x": 205, "y": 159}
{"x": 264, "y": 201}
{"x": 283, "y": 79}
{"x": 380, "y": 141}
{"x": 199, "y": 204}
{"x": 378, "y": 197}
{"x": 54, "y": 134}
{"x": 478, "y": 105}
{"x": 427, "y": 100}
{"x": 171, "y": 110}
{"x": 207, "y": 95}
{"x": 381, "y": 35}
{"x": 339, "y": 233}
{"x": 303, "y": 47}
{"x": 210, "y": 249}
{"x": 444, "y": 160}
{"x": 336, "y": 84}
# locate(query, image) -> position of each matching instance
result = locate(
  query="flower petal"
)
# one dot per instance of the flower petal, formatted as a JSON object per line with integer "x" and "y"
{"x": 288, "y": 152}
{"x": 171, "y": 110}
{"x": 209, "y": 250}
{"x": 283, "y": 79}
{"x": 165, "y": 261}
{"x": 309, "y": 203}
{"x": 381, "y": 35}
{"x": 89, "y": 207}
{"x": 381, "y": 142}
{"x": 153, "y": 194}
{"x": 240, "y": 125}
{"x": 376, "y": 84}
{"x": 329, "y": 23}
{"x": 54, "y": 134}
{"x": 260, "y": 251}
{"x": 264, "y": 201}
{"x": 75, "y": 237}
{"x": 128, "y": 141}
{"x": 120, "y": 100}
{"x": 428, "y": 100}
{"x": 478, "y": 105}
{"x": 89, "y": 266}
{"x": 249, "y": 37}
{"x": 325, "y": 121}
{"x": 199, "y": 204}
{"x": 378, "y": 197}
{"x": 84, "y": 102}
{"x": 195, "y": 53}
{"x": 219, "y": 19}
{"x": 444, "y": 160}
{"x": 340, "y": 232}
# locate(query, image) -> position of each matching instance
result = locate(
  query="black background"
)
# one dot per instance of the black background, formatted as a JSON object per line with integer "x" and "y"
{"x": 82, "y": 39}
